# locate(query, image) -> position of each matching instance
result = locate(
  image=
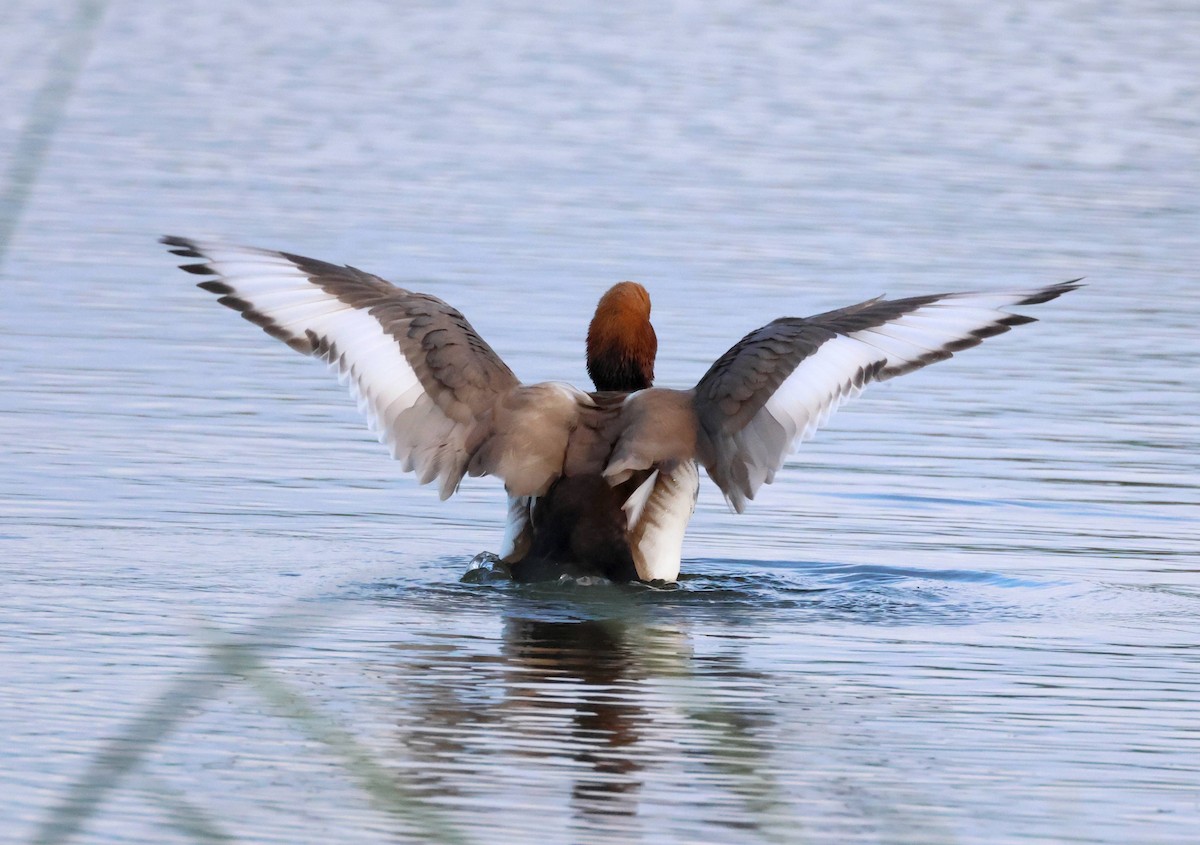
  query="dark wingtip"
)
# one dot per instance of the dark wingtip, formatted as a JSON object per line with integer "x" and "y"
{"x": 182, "y": 246}
{"x": 1052, "y": 292}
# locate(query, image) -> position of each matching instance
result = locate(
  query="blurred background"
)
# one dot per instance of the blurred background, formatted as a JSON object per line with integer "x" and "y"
{"x": 965, "y": 613}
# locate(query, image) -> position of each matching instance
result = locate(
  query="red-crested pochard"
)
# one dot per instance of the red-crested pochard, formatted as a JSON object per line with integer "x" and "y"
{"x": 600, "y": 483}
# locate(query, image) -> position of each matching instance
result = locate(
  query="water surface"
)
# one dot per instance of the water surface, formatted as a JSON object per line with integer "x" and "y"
{"x": 967, "y": 612}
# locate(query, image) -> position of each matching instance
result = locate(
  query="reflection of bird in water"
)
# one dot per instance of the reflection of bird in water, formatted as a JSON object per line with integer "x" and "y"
{"x": 557, "y": 691}
{"x": 595, "y": 660}
{"x": 604, "y": 482}
{"x": 616, "y": 711}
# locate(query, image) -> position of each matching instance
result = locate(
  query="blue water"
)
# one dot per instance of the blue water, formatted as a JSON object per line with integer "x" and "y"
{"x": 966, "y": 612}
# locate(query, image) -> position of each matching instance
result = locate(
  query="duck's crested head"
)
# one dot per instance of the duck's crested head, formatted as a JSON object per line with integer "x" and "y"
{"x": 621, "y": 344}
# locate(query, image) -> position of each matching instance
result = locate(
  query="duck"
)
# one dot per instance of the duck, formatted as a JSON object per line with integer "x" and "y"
{"x": 603, "y": 482}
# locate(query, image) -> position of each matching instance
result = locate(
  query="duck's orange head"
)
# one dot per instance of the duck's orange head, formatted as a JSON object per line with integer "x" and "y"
{"x": 621, "y": 344}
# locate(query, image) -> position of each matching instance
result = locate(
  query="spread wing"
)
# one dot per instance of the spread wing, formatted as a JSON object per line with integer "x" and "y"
{"x": 779, "y": 383}
{"x": 427, "y": 382}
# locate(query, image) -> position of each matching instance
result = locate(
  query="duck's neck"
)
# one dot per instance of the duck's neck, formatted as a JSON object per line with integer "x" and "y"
{"x": 621, "y": 344}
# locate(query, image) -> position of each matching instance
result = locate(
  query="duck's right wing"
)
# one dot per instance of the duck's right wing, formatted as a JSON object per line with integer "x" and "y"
{"x": 427, "y": 382}
{"x": 776, "y": 385}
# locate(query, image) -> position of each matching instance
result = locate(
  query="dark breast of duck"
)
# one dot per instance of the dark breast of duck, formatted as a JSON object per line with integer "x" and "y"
{"x": 600, "y": 483}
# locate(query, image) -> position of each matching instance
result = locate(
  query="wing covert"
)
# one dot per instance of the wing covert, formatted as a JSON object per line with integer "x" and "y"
{"x": 420, "y": 373}
{"x": 779, "y": 383}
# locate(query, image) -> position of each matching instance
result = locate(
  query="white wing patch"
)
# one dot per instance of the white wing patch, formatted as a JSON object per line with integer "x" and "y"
{"x": 936, "y": 331}
{"x": 666, "y": 501}
{"x": 280, "y": 296}
{"x": 820, "y": 383}
{"x": 636, "y": 502}
{"x": 841, "y": 367}
{"x": 837, "y": 371}
{"x": 518, "y": 529}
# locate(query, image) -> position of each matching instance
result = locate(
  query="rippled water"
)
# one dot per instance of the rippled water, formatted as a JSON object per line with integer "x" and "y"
{"x": 967, "y": 612}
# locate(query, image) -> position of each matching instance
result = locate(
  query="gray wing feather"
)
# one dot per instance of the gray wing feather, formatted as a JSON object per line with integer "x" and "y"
{"x": 424, "y": 378}
{"x": 776, "y": 385}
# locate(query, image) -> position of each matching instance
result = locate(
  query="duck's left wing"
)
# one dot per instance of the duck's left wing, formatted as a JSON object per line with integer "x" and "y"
{"x": 420, "y": 372}
{"x": 776, "y": 385}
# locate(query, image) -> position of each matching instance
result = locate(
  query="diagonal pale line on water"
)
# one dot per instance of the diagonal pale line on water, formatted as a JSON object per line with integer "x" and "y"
{"x": 48, "y": 107}
{"x": 124, "y": 753}
{"x": 231, "y": 659}
{"x": 386, "y": 791}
